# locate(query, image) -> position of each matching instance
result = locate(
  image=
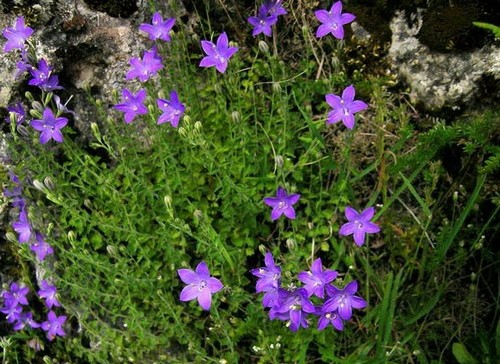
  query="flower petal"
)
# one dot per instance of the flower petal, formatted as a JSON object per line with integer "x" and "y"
{"x": 188, "y": 276}
{"x": 205, "y": 299}
{"x": 189, "y": 293}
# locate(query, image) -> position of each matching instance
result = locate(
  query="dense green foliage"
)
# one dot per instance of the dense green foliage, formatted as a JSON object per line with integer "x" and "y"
{"x": 128, "y": 205}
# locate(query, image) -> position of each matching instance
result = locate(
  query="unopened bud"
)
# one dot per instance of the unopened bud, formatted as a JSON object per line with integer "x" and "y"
{"x": 276, "y": 87}
{"x": 262, "y": 249}
{"x": 71, "y": 236}
{"x": 11, "y": 237}
{"x": 22, "y": 130}
{"x": 290, "y": 243}
{"x": 38, "y": 185}
{"x": 235, "y": 116}
{"x": 263, "y": 47}
{"x": 49, "y": 183}
{"x": 112, "y": 252}
{"x": 167, "y": 200}
{"x": 198, "y": 214}
{"x": 279, "y": 161}
{"x": 29, "y": 96}
{"x": 198, "y": 126}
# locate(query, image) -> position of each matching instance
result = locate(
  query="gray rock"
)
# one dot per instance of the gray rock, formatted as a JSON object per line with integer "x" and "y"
{"x": 438, "y": 80}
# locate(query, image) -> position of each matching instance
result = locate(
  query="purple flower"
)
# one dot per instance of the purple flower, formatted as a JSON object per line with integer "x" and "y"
{"x": 343, "y": 300}
{"x": 48, "y": 292}
{"x": 16, "y": 113}
{"x": 15, "y": 296}
{"x": 172, "y": 109}
{"x": 217, "y": 55}
{"x": 199, "y": 285}
{"x": 333, "y": 21}
{"x": 53, "y": 325}
{"x": 316, "y": 279}
{"x": 43, "y": 78}
{"x": 61, "y": 108}
{"x": 282, "y": 204}
{"x": 41, "y": 247}
{"x": 132, "y": 105}
{"x": 332, "y": 318}
{"x": 344, "y": 107}
{"x": 23, "y": 65}
{"x": 273, "y": 7}
{"x": 263, "y": 22}
{"x": 25, "y": 318}
{"x": 359, "y": 224}
{"x": 293, "y": 306}
{"x": 159, "y": 29}
{"x": 145, "y": 68}
{"x": 16, "y": 192}
{"x": 17, "y": 35}
{"x": 12, "y": 313}
{"x": 269, "y": 276}
{"x": 50, "y": 126}
{"x": 22, "y": 227}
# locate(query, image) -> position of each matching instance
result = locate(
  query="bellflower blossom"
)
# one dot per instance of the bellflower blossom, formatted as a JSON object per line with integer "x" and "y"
{"x": 263, "y": 22}
{"x": 132, "y": 105}
{"x": 25, "y": 318}
{"x": 269, "y": 276}
{"x": 343, "y": 300}
{"x": 43, "y": 78}
{"x": 40, "y": 247}
{"x": 344, "y": 107}
{"x": 53, "y": 325}
{"x": 17, "y": 35}
{"x": 332, "y": 318}
{"x": 294, "y": 306}
{"x": 274, "y": 7}
{"x": 145, "y": 68}
{"x": 316, "y": 279}
{"x": 333, "y": 21}
{"x": 22, "y": 227}
{"x": 158, "y": 29}
{"x": 172, "y": 109}
{"x": 49, "y": 126}
{"x": 199, "y": 285}
{"x": 359, "y": 224}
{"x": 15, "y": 296}
{"x": 217, "y": 55}
{"x": 282, "y": 204}
{"x": 48, "y": 292}
{"x": 16, "y": 113}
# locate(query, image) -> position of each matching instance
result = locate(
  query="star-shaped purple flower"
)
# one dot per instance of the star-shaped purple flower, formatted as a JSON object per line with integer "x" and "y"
{"x": 49, "y": 126}
{"x": 48, "y": 292}
{"x": 159, "y": 29}
{"x": 282, "y": 204}
{"x": 316, "y": 279}
{"x": 269, "y": 276}
{"x": 333, "y": 21}
{"x": 199, "y": 285}
{"x": 274, "y": 7}
{"x": 172, "y": 109}
{"x": 17, "y": 35}
{"x": 343, "y": 300}
{"x": 263, "y": 22}
{"x": 294, "y": 306}
{"x": 145, "y": 68}
{"x": 22, "y": 227}
{"x": 359, "y": 224}
{"x": 217, "y": 55}
{"x": 53, "y": 325}
{"x": 43, "y": 78}
{"x": 132, "y": 105}
{"x": 41, "y": 247}
{"x": 344, "y": 108}
{"x": 15, "y": 296}
{"x": 12, "y": 313}
{"x": 332, "y": 318}
{"x": 25, "y": 318}
{"x": 17, "y": 113}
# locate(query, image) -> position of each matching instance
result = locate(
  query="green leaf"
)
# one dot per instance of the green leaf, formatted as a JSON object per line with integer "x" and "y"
{"x": 493, "y": 28}
{"x": 462, "y": 355}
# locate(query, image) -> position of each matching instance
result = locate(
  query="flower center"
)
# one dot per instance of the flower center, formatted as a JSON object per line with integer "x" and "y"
{"x": 359, "y": 224}
{"x": 282, "y": 204}
{"x": 202, "y": 285}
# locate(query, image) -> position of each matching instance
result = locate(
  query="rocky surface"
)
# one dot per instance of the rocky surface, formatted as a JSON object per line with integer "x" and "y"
{"x": 442, "y": 79}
